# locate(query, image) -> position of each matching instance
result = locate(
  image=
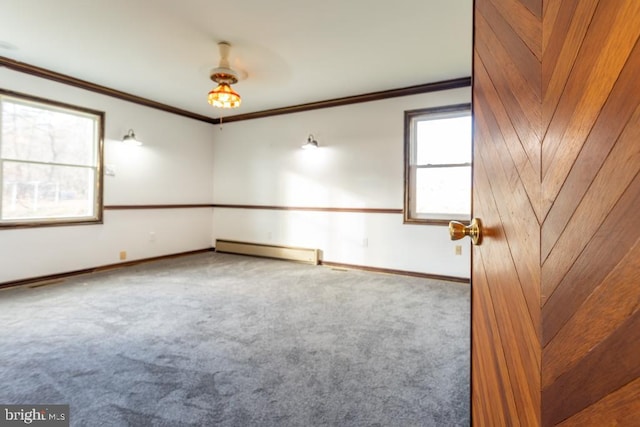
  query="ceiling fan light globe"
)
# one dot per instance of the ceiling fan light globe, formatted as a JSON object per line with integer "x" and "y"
{"x": 224, "y": 97}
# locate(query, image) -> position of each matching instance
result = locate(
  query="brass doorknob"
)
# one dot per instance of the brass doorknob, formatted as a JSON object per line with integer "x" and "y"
{"x": 458, "y": 230}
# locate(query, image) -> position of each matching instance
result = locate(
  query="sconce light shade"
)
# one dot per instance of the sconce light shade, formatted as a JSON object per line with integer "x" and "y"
{"x": 311, "y": 143}
{"x": 130, "y": 138}
{"x": 224, "y": 97}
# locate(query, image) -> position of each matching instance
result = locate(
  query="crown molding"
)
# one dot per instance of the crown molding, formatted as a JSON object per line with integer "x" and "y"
{"x": 329, "y": 103}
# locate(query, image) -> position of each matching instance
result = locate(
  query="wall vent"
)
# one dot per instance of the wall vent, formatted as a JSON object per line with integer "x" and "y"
{"x": 306, "y": 255}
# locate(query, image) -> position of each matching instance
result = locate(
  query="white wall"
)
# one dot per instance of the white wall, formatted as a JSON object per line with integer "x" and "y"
{"x": 359, "y": 165}
{"x": 174, "y": 166}
{"x": 254, "y": 162}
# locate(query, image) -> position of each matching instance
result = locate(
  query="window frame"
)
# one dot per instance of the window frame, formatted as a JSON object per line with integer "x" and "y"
{"x": 410, "y": 124}
{"x": 98, "y": 188}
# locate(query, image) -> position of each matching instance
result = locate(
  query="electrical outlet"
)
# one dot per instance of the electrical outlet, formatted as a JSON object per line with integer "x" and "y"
{"x": 365, "y": 242}
{"x": 152, "y": 236}
{"x": 458, "y": 249}
{"x": 123, "y": 255}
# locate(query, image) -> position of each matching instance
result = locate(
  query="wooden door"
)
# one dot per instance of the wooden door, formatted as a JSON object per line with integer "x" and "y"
{"x": 556, "y": 282}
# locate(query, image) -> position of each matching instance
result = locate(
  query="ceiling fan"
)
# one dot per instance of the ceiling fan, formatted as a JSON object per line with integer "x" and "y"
{"x": 223, "y": 96}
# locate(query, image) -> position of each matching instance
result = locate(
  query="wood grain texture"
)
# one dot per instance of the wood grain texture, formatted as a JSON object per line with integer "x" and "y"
{"x": 591, "y": 186}
{"x": 530, "y": 144}
{"x": 519, "y": 98}
{"x": 513, "y": 319}
{"x": 535, "y": 6}
{"x": 608, "y": 247}
{"x": 568, "y": 31}
{"x": 604, "y": 311}
{"x": 550, "y": 11}
{"x": 618, "y": 409}
{"x": 506, "y": 350}
{"x": 557, "y": 175}
{"x": 612, "y": 35}
{"x": 606, "y": 189}
{"x": 610, "y": 365}
{"x": 612, "y": 121}
{"x": 512, "y": 355}
{"x": 514, "y": 211}
{"x": 524, "y": 22}
{"x": 519, "y": 30}
{"x": 491, "y": 406}
{"x": 525, "y": 160}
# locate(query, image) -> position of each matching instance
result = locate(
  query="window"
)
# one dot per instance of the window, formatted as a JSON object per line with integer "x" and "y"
{"x": 50, "y": 162}
{"x": 438, "y": 164}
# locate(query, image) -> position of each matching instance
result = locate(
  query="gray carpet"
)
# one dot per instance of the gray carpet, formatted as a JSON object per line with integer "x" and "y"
{"x": 215, "y": 339}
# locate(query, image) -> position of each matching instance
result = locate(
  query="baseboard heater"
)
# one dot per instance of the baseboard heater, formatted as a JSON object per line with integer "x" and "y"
{"x": 310, "y": 256}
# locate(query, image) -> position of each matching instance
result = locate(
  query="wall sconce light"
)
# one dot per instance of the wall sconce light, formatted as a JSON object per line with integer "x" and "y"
{"x": 130, "y": 138}
{"x": 311, "y": 143}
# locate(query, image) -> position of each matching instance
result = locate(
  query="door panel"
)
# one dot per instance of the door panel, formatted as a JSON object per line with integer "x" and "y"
{"x": 500, "y": 301}
{"x": 555, "y": 295}
{"x": 500, "y": 408}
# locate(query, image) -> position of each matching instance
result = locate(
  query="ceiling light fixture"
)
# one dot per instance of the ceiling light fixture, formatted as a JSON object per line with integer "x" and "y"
{"x": 223, "y": 96}
{"x": 130, "y": 138}
{"x": 311, "y": 143}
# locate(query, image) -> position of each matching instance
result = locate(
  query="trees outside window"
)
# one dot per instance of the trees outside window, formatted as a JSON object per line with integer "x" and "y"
{"x": 50, "y": 162}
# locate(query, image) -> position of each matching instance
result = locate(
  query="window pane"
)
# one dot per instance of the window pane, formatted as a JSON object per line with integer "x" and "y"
{"x": 31, "y": 191}
{"x": 443, "y": 190}
{"x": 444, "y": 141}
{"x": 47, "y": 134}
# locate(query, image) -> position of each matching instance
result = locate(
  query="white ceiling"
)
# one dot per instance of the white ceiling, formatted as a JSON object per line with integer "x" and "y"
{"x": 294, "y": 51}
